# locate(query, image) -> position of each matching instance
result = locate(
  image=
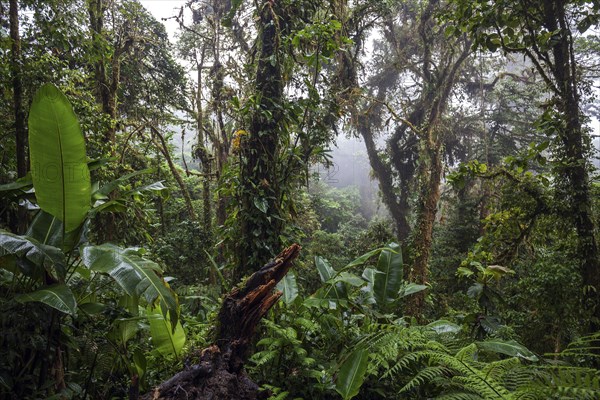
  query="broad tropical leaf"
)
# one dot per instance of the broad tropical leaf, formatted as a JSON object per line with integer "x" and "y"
{"x": 137, "y": 275}
{"x": 289, "y": 287}
{"x": 411, "y": 288}
{"x": 140, "y": 362}
{"x": 60, "y": 173}
{"x": 48, "y": 229}
{"x": 363, "y": 259}
{"x": 388, "y": 282}
{"x": 168, "y": 338}
{"x": 369, "y": 276}
{"x": 105, "y": 190}
{"x": 510, "y": 348}
{"x": 326, "y": 271}
{"x": 125, "y": 329}
{"x": 352, "y": 374}
{"x": 443, "y": 326}
{"x": 59, "y": 297}
{"x": 19, "y": 186}
{"x": 349, "y": 278}
{"x": 38, "y": 254}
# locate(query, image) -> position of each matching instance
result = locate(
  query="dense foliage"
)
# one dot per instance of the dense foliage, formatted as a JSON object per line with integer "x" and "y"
{"x": 141, "y": 180}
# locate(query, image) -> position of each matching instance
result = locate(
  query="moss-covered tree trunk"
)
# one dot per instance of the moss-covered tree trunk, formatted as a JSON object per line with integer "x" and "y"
{"x": 260, "y": 215}
{"x": 439, "y": 75}
{"x": 564, "y": 72}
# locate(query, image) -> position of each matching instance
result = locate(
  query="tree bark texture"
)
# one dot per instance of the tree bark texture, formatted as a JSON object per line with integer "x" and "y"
{"x": 564, "y": 71}
{"x": 107, "y": 72}
{"x": 219, "y": 372}
{"x": 260, "y": 219}
{"x": 19, "y": 112}
{"x": 201, "y": 152}
{"x": 428, "y": 114}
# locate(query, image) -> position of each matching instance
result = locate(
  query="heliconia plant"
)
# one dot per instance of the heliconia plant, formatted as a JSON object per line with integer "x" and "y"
{"x": 52, "y": 263}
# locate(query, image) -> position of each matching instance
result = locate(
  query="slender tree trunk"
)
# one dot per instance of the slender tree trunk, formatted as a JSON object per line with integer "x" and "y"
{"x": 96, "y": 14}
{"x": 19, "y": 113}
{"x": 202, "y": 152}
{"x": 221, "y": 211}
{"x": 106, "y": 88}
{"x": 164, "y": 148}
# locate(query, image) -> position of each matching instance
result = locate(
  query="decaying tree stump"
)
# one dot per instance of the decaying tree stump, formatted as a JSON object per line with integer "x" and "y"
{"x": 219, "y": 374}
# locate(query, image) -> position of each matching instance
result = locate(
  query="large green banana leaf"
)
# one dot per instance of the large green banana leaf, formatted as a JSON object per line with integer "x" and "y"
{"x": 61, "y": 177}
{"x": 388, "y": 281}
{"x": 352, "y": 374}
{"x": 508, "y": 347}
{"x": 38, "y": 256}
{"x": 168, "y": 340}
{"x": 137, "y": 275}
{"x": 289, "y": 287}
{"x": 48, "y": 230}
{"x": 57, "y": 296}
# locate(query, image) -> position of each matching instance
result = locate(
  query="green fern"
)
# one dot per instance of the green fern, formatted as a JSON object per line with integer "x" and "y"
{"x": 460, "y": 396}
{"x": 464, "y": 376}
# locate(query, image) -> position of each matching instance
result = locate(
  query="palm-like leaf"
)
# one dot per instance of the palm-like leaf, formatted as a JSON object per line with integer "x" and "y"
{"x": 509, "y": 347}
{"x": 289, "y": 287}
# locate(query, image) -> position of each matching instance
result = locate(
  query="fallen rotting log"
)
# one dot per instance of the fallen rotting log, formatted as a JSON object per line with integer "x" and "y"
{"x": 219, "y": 372}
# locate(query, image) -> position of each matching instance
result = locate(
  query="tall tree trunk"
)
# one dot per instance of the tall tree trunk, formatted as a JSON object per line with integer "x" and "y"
{"x": 260, "y": 216}
{"x": 432, "y": 105}
{"x": 106, "y": 87}
{"x": 429, "y": 196}
{"x": 96, "y": 13}
{"x": 19, "y": 113}
{"x": 202, "y": 152}
{"x": 397, "y": 206}
{"x": 575, "y": 170}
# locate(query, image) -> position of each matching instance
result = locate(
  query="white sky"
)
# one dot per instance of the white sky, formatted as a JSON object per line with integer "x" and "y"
{"x": 165, "y": 9}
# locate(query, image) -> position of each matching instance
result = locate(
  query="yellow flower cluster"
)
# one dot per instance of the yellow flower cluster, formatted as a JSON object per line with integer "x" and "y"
{"x": 237, "y": 138}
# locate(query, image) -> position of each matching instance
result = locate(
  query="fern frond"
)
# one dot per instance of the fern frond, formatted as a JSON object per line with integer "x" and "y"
{"x": 263, "y": 357}
{"x": 498, "y": 370}
{"x": 585, "y": 346}
{"x": 477, "y": 382}
{"x": 467, "y": 352}
{"x": 576, "y": 382}
{"x": 424, "y": 376}
{"x": 519, "y": 376}
{"x": 459, "y": 396}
